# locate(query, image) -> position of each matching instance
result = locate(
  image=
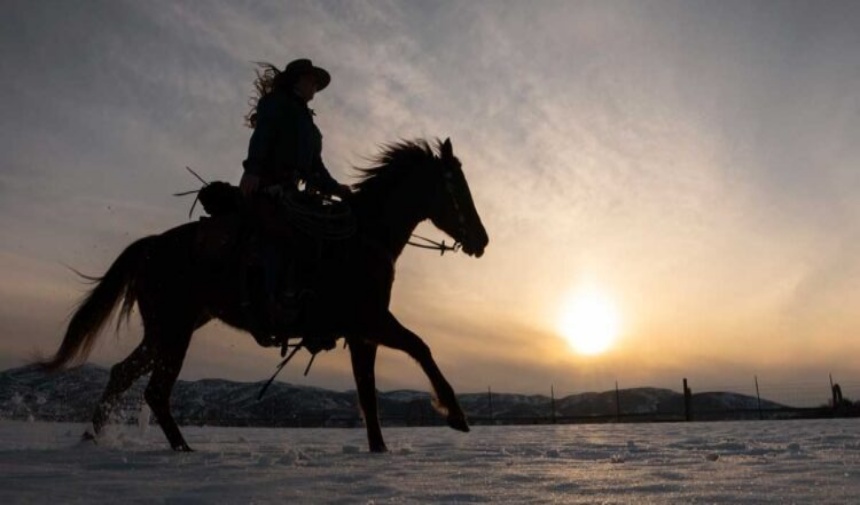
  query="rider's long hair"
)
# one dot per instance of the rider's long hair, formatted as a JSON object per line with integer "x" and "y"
{"x": 269, "y": 78}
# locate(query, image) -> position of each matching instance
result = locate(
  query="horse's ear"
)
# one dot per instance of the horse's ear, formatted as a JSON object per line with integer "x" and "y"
{"x": 447, "y": 150}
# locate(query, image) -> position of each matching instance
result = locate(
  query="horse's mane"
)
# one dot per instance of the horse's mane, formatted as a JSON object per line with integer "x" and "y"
{"x": 388, "y": 166}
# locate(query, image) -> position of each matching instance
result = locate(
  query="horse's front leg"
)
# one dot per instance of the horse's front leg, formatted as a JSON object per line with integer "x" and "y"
{"x": 363, "y": 355}
{"x": 396, "y": 336}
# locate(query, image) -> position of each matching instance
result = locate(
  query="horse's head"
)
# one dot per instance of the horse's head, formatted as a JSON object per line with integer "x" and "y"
{"x": 411, "y": 182}
{"x": 451, "y": 207}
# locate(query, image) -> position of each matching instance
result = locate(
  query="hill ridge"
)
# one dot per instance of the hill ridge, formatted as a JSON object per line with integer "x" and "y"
{"x": 28, "y": 393}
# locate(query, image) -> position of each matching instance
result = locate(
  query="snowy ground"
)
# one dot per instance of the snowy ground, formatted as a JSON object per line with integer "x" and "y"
{"x": 740, "y": 462}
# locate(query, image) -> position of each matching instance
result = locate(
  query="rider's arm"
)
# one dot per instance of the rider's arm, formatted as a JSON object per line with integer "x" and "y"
{"x": 320, "y": 178}
{"x": 306, "y": 153}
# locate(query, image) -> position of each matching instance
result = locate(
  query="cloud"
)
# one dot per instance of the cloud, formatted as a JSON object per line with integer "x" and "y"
{"x": 697, "y": 160}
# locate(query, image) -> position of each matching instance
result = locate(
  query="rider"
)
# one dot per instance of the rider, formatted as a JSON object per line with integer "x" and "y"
{"x": 285, "y": 150}
{"x": 286, "y": 146}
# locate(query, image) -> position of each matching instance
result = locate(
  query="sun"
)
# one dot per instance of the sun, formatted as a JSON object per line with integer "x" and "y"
{"x": 589, "y": 321}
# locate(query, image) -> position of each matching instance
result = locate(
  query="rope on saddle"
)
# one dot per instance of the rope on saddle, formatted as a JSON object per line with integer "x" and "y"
{"x": 316, "y": 215}
{"x": 313, "y": 214}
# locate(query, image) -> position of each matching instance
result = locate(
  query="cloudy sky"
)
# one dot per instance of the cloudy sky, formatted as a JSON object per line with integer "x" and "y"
{"x": 694, "y": 162}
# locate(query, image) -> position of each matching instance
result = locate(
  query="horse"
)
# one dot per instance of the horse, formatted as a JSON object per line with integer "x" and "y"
{"x": 177, "y": 290}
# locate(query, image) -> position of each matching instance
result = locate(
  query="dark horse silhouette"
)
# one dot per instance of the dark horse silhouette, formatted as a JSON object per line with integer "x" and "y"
{"x": 177, "y": 291}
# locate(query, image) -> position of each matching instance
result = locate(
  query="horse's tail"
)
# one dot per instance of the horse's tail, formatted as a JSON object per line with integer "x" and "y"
{"x": 118, "y": 284}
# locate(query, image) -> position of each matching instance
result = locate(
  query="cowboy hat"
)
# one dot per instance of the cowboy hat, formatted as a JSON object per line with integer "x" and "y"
{"x": 302, "y": 66}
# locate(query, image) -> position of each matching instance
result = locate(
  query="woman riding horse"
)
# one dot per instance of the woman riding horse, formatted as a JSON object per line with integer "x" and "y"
{"x": 177, "y": 290}
{"x": 286, "y": 145}
{"x": 285, "y": 149}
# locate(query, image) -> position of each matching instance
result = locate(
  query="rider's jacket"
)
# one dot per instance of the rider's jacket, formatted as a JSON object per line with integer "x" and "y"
{"x": 286, "y": 145}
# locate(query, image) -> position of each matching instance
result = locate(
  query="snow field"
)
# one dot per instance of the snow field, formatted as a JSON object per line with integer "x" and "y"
{"x": 740, "y": 462}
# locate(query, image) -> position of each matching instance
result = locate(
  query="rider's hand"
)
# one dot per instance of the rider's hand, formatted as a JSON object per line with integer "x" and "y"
{"x": 249, "y": 184}
{"x": 343, "y": 191}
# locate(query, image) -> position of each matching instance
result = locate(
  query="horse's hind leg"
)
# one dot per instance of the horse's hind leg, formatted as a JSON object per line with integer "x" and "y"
{"x": 122, "y": 376}
{"x": 363, "y": 357}
{"x": 165, "y": 371}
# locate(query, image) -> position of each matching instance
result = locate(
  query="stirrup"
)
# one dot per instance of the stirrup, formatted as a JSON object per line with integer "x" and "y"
{"x": 318, "y": 343}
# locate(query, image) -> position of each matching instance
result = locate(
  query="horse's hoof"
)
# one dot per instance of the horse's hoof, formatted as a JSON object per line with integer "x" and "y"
{"x": 379, "y": 449}
{"x": 182, "y": 448}
{"x": 459, "y": 424}
{"x": 88, "y": 437}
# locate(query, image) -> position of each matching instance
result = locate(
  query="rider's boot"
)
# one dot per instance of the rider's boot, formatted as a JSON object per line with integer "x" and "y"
{"x": 316, "y": 325}
{"x": 283, "y": 306}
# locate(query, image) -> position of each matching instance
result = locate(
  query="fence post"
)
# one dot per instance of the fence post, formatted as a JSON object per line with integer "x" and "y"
{"x": 617, "y": 403}
{"x": 758, "y": 397}
{"x": 837, "y": 399}
{"x": 688, "y": 402}
{"x": 490, "y": 400}
{"x": 552, "y": 401}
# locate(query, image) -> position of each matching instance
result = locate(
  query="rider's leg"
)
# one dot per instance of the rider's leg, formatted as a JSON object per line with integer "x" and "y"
{"x": 258, "y": 289}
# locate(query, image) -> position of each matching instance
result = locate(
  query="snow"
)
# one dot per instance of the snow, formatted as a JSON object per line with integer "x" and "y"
{"x": 728, "y": 462}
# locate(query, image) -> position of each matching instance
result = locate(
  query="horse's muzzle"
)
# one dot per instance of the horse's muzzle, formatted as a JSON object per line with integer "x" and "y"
{"x": 476, "y": 244}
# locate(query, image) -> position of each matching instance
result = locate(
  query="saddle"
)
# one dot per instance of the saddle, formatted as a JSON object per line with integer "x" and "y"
{"x": 281, "y": 212}
{"x": 280, "y": 231}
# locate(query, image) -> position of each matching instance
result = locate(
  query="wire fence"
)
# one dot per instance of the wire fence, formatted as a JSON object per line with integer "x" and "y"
{"x": 737, "y": 400}
{"x": 798, "y": 394}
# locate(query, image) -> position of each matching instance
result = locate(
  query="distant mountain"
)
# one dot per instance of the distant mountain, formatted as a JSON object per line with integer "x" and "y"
{"x": 27, "y": 393}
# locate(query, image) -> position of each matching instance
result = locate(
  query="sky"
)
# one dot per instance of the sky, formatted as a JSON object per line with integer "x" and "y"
{"x": 695, "y": 162}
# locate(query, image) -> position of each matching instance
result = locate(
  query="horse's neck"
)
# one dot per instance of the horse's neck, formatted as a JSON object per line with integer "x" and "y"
{"x": 388, "y": 227}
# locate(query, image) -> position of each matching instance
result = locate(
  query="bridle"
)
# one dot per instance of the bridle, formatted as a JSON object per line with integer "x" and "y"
{"x": 442, "y": 247}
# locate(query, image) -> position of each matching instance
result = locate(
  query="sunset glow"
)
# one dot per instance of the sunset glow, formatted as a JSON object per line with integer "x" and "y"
{"x": 589, "y": 321}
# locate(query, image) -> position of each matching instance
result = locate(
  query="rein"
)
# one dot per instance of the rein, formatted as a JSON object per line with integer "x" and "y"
{"x": 431, "y": 244}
